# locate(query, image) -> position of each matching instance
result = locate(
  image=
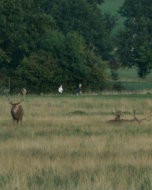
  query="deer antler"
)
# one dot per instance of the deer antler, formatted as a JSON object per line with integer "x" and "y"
{"x": 21, "y": 100}
{"x": 147, "y": 117}
{"x": 23, "y": 92}
{"x": 8, "y": 98}
{"x": 14, "y": 103}
{"x": 143, "y": 119}
{"x": 118, "y": 115}
{"x": 135, "y": 118}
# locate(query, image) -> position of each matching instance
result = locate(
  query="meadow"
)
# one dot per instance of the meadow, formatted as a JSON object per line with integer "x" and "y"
{"x": 65, "y": 143}
{"x": 131, "y": 82}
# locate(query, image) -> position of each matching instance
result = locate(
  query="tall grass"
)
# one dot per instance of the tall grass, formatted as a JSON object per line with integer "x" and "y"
{"x": 64, "y": 143}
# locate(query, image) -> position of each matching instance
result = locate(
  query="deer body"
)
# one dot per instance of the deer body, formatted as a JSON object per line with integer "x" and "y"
{"x": 17, "y": 111}
{"x": 118, "y": 119}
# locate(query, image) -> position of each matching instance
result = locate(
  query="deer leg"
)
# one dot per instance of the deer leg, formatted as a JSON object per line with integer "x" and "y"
{"x": 14, "y": 122}
{"x": 21, "y": 121}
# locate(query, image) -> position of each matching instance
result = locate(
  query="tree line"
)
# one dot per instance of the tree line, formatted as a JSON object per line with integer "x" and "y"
{"x": 45, "y": 43}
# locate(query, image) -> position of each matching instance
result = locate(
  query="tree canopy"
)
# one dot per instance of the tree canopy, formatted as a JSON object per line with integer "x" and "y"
{"x": 53, "y": 42}
{"x": 135, "y": 42}
{"x": 46, "y": 43}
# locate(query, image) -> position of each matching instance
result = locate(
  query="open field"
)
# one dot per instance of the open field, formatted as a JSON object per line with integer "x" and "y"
{"x": 131, "y": 82}
{"x": 131, "y": 75}
{"x": 64, "y": 143}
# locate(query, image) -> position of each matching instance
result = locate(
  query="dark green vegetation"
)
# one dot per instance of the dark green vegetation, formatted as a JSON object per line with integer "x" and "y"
{"x": 53, "y": 42}
{"x": 71, "y": 41}
{"x": 112, "y": 7}
{"x": 135, "y": 41}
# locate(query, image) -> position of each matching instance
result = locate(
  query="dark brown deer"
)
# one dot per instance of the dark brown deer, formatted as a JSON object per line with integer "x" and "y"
{"x": 17, "y": 111}
{"x": 118, "y": 118}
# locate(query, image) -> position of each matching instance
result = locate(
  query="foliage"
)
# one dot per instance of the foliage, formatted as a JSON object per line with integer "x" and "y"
{"x": 66, "y": 60}
{"x": 34, "y": 72}
{"x": 69, "y": 42}
{"x": 50, "y": 42}
{"x": 21, "y": 28}
{"x": 135, "y": 42}
{"x": 86, "y": 19}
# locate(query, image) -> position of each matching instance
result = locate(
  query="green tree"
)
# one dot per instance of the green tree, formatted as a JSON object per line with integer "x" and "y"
{"x": 22, "y": 24}
{"x": 96, "y": 71}
{"x": 53, "y": 42}
{"x": 64, "y": 60}
{"x": 135, "y": 42}
{"x": 87, "y": 19}
{"x": 36, "y": 72}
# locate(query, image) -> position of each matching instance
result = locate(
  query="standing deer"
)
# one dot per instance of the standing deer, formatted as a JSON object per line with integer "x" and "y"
{"x": 17, "y": 111}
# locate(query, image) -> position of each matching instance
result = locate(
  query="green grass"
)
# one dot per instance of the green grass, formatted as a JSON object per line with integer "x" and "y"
{"x": 132, "y": 76}
{"x": 137, "y": 86}
{"x": 65, "y": 143}
{"x": 131, "y": 82}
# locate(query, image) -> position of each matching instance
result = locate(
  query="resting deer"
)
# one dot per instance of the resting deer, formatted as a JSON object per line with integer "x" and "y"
{"x": 118, "y": 118}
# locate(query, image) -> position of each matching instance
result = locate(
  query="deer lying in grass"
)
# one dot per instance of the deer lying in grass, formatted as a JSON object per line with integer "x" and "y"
{"x": 119, "y": 114}
{"x": 17, "y": 111}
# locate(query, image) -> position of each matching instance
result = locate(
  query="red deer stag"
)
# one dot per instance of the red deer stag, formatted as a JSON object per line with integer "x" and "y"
{"x": 17, "y": 111}
{"x": 118, "y": 118}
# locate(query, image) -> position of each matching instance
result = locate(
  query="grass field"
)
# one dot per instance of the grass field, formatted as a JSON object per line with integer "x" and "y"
{"x": 130, "y": 80}
{"x": 131, "y": 75}
{"x": 65, "y": 143}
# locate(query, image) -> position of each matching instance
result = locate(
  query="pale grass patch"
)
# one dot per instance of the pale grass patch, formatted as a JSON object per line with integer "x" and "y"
{"x": 65, "y": 143}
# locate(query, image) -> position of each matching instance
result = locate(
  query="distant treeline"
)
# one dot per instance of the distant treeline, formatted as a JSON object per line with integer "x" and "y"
{"x": 45, "y": 43}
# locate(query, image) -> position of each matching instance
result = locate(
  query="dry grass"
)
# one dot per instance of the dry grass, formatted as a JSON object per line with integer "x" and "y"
{"x": 65, "y": 143}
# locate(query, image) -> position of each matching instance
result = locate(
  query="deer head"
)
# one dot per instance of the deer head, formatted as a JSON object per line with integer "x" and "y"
{"x": 117, "y": 114}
